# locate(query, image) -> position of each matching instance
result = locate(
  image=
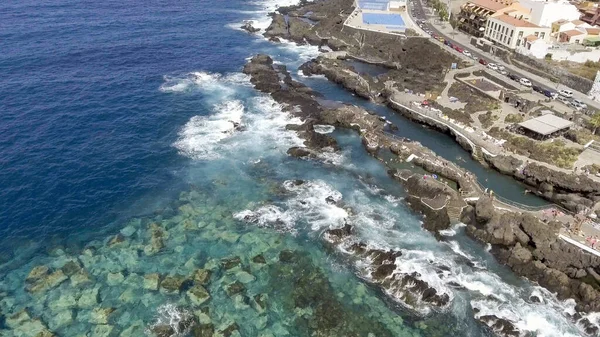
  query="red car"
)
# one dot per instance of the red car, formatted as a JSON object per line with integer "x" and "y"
{"x": 458, "y": 49}
{"x": 482, "y": 61}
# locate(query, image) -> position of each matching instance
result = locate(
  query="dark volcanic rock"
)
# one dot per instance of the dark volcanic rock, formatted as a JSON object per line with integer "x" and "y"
{"x": 299, "y": 152}
{"x": 249, "y": 27}
{"x": 531, "y": 248}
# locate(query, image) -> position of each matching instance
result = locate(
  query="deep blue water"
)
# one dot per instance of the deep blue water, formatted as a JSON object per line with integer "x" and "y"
{"x": 83, "y": 131}
{"x": 115, "y": 117}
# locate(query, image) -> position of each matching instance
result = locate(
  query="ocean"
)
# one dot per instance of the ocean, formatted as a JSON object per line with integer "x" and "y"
{"x": 124, "y": 178}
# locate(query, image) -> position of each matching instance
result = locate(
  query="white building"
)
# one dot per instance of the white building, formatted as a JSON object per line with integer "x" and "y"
{"x": 512, "y": 32}
{"x": 545, "y": 12}
{"x": 397, "y": 5}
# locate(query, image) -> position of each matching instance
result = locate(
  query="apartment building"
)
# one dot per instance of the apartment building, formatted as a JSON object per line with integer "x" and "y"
{"x": 474, "y": 14}
{"x": 512, "y": 32}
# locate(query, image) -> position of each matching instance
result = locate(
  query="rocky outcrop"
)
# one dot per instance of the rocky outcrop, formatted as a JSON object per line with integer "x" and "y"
{"x": 532, "y": 249}
{"x": 574, "y": 192}
{"x": 249, "y": 27}
{"x": 380, "y": 268}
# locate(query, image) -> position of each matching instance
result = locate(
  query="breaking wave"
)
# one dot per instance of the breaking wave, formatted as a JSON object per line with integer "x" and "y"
{"x": 202, "y": 135}
{"x": 238, "y": 120}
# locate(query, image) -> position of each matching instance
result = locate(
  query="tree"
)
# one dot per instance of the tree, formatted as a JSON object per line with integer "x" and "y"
{"x": 443, "y": 13}
{"x": 595, "y": 121}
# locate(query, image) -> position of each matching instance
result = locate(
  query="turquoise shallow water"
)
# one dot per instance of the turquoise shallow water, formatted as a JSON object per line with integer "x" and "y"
{"x": 150, "y": 233}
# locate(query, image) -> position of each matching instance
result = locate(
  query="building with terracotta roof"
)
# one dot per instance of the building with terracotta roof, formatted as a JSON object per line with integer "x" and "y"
{"x": 563, "y": 25}
{"x": 474, "y": 14}
{"x": 513, "y": 32}
{"x": 572, "y": 36}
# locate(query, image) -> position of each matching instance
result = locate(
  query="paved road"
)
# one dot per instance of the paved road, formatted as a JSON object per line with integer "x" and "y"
{"x": 418, "y": 14}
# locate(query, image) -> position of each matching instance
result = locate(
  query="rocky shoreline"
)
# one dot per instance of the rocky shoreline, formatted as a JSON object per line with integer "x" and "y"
{"x": 407, "y": 70}
{"x": 520, "y": 240}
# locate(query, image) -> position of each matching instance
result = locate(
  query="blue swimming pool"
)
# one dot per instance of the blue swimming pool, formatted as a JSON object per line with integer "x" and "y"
{"x": 380, "y": 5}
{"x": 383, "y": 19}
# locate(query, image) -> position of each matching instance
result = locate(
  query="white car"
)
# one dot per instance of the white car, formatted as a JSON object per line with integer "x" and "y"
{"x": 565, "y": 93}
{"x": 467, "y": 54}
{"x": 501, "y": 68}
{"x": 579, "y": 105}
{"x": 525, "y": 82}
{"x": 503, "y": 72}
{"x": 564, "y": 100}
{"x": 492, "y": 66}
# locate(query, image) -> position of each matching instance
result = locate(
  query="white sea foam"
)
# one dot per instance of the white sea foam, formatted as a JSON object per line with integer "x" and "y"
{"x": 201, "y": 136}
{"x": 323, "y": 128}
{"x": 178, "y": 319}
{"x": 237, "y": 122}
{"x": 312, "y": 202}
{"x": 269, "y": 216}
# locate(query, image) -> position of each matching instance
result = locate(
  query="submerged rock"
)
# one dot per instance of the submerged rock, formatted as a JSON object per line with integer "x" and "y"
{"x": 198, "y": 295}
{"x": 151, "y": 281}
{"x": 201, "y": 276}
{"x": 172, "y": 284}
{"x": 37, "y": 272}
{"x": 230, "y": 262}
{"x": 259, "y": 259}
{"x": 47, "y": 281}
{"x": 235, "y": 288}
{"x": 203, "y": 330}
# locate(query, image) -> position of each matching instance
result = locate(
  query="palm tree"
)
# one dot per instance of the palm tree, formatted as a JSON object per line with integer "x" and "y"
{"x": 595, "y": 121}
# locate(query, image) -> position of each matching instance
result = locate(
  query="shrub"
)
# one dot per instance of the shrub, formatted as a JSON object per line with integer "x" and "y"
{"x": 513, "y": 118}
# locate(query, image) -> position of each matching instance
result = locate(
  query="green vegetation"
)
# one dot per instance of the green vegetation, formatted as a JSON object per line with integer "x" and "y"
{"x": 595, "y": 122}
{"x": 440, "y": 8}
{"x": 581, "y": 136}
{"x": 513, "y": 118}
{"x": 556, "y": 152}
{"x": 587, "y": 69}
{"x": 487, "y": 119}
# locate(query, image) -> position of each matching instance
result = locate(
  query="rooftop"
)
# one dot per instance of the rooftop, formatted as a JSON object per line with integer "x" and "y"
{"x": 515, "y": 22}
{"x": 546, "y": 124}
{"x": 573, "y": 32}
{"x": 593, "y": 31}
{"x": 490, "y": 4}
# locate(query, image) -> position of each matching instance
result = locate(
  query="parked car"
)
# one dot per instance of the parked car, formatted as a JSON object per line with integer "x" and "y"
{"x": 458, "y": 49}
{"x": 579, "y": 105}
{"x": 467, "y": 53}
{"x": 482, "y": 61}
{"x": 525, "y": 82}
{"x": 492, "y": 66}
{"x": 564, "y": 100}
{"x": 503, "y": 72}
{"x": 537, "y": 88}
{"x": 550, "y": 94}
{"x": 500, "y": 67}
{"x": 565, "y": 93}
{"x": 514, "y": 77}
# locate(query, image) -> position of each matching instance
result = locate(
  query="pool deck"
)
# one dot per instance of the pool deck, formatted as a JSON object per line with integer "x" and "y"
{"x": 355, "y": 20}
